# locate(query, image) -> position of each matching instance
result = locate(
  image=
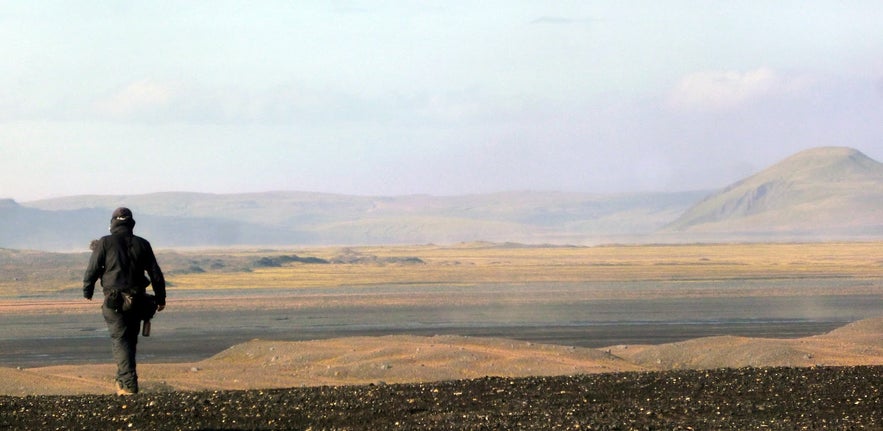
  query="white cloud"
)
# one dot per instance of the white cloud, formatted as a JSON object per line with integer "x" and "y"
{"x": 726, "y": 89}
{"x": 137, "y": 98}
{"x": 160, "y": 102}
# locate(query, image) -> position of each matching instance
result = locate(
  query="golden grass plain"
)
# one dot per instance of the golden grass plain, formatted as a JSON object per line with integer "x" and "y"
{"x": 267, "y": 363}
{"x": 473, "y": 264}
{"x": 491, "y": 263}
{"x": 476, "y": 263}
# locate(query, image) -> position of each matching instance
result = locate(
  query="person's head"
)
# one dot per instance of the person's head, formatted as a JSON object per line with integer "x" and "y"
{"x": 122, "y": 213}
{"x": 122, "y": 216}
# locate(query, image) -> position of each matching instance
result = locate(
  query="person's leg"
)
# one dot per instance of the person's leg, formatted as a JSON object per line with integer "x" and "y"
{"x": 124, "y": 339}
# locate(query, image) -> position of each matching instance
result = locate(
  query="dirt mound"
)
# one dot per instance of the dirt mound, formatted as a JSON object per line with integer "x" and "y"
{"x": 713, "y": 352}
{"x": 868, "y": 331}
{"x": 263, "y": 364}
{"x": 343, "y": 361}
{"x": 859, "y": 343}
{"x": 396, "y": 359}
{"x": 20, "y": 382}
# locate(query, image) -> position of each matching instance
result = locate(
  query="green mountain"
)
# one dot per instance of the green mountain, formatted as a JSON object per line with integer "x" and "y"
{"x": 830, "y": 192}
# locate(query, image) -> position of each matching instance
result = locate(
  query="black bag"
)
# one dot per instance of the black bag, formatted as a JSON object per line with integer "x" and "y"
{"x": 143, "y": 305}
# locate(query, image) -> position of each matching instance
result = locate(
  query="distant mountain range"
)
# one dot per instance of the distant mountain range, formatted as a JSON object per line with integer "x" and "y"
{"x": 823, "y": 193}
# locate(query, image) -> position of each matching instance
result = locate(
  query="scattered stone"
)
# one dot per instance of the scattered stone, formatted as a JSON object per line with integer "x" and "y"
{"x": 724, "y": 399}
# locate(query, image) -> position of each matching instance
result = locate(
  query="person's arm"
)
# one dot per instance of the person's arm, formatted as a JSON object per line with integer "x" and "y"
{"x": 156, "y": 278}
{"x": 93, "y": 270}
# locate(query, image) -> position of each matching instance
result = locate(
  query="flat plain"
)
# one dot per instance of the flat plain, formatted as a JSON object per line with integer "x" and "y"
{"x": 471, "y": 336}
{"x": 353, "y": 315}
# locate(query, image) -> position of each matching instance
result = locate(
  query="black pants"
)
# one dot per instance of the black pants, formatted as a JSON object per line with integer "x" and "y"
{"x": 123, "y": 328}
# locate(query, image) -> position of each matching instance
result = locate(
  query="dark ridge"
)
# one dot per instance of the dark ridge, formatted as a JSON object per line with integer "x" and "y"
{"x": 277, "y": 261}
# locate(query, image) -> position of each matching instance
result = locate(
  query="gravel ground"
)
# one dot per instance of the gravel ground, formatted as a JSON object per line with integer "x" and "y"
{"x": 820, "y": 398}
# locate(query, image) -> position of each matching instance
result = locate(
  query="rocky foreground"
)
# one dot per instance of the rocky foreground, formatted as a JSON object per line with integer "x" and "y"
{"x": 817, "y": 398}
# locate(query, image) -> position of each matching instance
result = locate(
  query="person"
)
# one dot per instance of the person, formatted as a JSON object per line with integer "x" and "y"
{"x": 120, "y": 261}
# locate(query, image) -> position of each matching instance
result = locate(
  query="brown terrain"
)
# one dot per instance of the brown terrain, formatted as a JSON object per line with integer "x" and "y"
{"x": 830, "y": 380}
{"x": 265, "y": 364}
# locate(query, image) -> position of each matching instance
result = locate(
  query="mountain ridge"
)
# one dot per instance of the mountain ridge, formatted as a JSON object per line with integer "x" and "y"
{"x": 817, "y": 194}
{"x": 180, "y": 219}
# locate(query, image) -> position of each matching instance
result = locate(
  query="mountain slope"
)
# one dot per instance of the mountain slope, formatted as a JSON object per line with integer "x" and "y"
{"x": 817, "y": 192}
{"x": 822, "y": 193}
{"x": 25, "y": 227}
{"x": 301, "y": 218}
{"x": 54, "y": 230}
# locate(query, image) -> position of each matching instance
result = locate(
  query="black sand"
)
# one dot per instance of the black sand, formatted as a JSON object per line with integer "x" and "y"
{"x": 846, "y": 398}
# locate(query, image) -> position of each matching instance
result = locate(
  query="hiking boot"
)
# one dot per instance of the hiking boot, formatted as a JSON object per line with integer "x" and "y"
{"x": 124, "y": 391}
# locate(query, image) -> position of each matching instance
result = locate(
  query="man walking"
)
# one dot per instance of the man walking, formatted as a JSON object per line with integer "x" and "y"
{"x": 120, "y": 260}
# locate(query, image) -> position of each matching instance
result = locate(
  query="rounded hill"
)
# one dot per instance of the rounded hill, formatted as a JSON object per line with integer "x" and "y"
{"x": 817, "y": 192}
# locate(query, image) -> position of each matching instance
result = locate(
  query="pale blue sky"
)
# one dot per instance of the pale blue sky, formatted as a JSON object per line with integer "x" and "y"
{"x": 447, "y": 97}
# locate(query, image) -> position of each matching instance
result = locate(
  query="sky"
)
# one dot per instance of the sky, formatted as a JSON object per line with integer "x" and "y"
{"x": 387, "y": 98}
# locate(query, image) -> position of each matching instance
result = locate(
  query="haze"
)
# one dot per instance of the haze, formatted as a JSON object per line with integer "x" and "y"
{"x": 391, "y": 98}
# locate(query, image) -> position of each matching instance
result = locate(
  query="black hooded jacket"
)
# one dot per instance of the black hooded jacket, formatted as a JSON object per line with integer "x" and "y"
{"x": 120, "y": 261}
